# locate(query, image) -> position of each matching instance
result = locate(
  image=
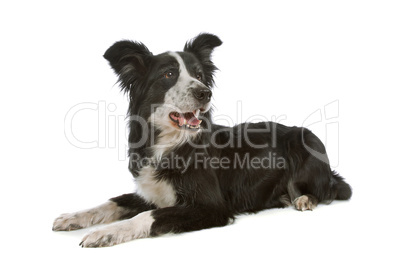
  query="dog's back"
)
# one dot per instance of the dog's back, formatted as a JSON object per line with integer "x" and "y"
{"x": 190, "y": 173}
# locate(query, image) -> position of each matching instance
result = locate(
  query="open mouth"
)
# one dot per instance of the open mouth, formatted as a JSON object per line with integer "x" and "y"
{"x": 186, "y": 120}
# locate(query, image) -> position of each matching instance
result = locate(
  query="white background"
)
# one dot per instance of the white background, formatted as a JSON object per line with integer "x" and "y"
{"x": 282, "y": 59}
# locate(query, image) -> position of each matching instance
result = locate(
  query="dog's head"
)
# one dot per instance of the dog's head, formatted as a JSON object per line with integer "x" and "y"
{"x": 171, "y": 90}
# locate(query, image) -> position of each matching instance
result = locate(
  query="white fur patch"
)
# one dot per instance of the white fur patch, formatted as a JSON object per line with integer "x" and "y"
{"x": 120, "y": 232}
{"x": 157, "y": 192}
{"x": 104, "y": 213}
{"x": 170, "y": 136}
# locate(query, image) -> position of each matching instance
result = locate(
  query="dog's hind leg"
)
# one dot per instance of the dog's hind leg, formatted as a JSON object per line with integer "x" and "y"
{"x": 300, "y": 200}
{"x": 118, "y": 208}
{"x": 310, "y": 176}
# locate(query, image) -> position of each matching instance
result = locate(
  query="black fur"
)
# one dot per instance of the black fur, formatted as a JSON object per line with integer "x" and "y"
{"x": 207, "y": 196}
{"x": 229, "y": 170}
{"x": 202, "y": 47}
{"x": 133, "y": 204}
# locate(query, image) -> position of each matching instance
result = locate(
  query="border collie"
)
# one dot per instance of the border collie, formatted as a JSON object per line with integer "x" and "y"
{"x": 190, "y": 173}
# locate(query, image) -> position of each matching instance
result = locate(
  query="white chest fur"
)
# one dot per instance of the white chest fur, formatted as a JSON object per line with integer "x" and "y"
{"x": 157, "y": 192}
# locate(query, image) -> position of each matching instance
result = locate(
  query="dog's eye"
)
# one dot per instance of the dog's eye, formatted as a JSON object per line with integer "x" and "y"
{"x": 168, "y": 75}
{"x": 199, "y": 77}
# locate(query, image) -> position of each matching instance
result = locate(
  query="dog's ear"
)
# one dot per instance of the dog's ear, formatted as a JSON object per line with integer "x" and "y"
{"x": 130, "y": 61}
{"x": 202, "y": 46}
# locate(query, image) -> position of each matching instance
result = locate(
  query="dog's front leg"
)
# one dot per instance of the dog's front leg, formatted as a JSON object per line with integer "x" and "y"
{"x": 120, "y": 232}
{"x": 118, "y": 208}
{"x": 156, "y": 222}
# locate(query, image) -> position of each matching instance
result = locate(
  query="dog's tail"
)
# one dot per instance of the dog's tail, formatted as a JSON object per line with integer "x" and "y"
{"x": 340, "y": 189}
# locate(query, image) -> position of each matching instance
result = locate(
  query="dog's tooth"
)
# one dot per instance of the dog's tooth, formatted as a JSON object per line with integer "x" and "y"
{"x": 194, "y": 127}
{"x": 197, "y": 113}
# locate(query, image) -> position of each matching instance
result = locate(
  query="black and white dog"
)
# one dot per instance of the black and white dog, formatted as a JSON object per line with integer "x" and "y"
{"x": 192, "y": 174}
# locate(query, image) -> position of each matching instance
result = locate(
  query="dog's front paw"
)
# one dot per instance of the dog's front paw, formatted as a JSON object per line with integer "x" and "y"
{"x": 105, "y": 237}
{"x": 120, "y": 232}
{"x": 68, "y": 222}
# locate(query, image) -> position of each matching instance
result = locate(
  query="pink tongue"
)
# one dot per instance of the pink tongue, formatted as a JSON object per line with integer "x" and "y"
{"x": 187, "y": 119}
{"x": 191, "y": 119}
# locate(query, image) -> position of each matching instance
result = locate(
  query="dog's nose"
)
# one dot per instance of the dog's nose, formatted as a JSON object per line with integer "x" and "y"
{"x": 202, "y": 94}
